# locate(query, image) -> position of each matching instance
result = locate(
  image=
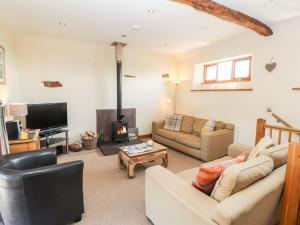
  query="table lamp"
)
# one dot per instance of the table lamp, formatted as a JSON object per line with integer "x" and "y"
{"x": 17, "y": 110}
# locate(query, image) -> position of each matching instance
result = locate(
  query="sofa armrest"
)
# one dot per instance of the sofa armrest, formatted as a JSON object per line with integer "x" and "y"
{"x": 257, "y": 204}
{"x": 170, "y": 200}
{"x": 157, "y": 125}
{"x": 236, "y": 149}
{"x": 214, "y": 145}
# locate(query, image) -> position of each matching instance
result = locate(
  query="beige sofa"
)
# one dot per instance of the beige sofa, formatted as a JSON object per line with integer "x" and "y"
{"x": 189, "y": 140}
{"x": 171, "y": 200}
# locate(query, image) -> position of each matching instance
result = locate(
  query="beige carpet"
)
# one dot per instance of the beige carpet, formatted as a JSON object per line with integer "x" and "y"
{"x": 110, "y": 198}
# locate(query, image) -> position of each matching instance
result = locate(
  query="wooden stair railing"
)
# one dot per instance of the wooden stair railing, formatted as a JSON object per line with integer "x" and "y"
{"x": 280, "y": 120}
{"x": 262, "y": 126}
{"x": 291, "y": 193}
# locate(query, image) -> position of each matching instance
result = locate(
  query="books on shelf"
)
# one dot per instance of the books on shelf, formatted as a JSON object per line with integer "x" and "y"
{"x": 139, "y": 148}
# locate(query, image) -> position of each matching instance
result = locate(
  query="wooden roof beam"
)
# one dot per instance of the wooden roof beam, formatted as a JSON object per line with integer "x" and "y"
{"x": 228, "y": 14}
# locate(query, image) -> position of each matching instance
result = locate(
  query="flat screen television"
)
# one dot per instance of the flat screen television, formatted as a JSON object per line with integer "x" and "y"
{"x": 47, "y": 117}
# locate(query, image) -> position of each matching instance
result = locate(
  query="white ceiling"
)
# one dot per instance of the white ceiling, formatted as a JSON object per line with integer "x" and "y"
{"x": 172, "y": 29}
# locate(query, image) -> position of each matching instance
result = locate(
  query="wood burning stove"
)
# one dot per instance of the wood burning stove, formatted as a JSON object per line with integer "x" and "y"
{"x": 119, "y": 131}
{"x": 119, "y": 127}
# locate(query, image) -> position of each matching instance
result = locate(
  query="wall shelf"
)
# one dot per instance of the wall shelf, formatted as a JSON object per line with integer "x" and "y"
{"x": 222, "y": 89}
{"x": 296, "y": 89}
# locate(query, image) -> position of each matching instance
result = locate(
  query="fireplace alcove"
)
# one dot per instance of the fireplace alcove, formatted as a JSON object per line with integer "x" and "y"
{"x": 105, "y": 119}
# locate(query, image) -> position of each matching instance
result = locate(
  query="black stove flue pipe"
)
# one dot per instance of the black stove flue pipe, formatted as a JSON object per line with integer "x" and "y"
{"x": 118, "y": 58}
{"x": 119, "y": 91}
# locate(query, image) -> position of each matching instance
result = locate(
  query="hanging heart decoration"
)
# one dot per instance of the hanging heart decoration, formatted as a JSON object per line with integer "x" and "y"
{"x": 271, "y": 66}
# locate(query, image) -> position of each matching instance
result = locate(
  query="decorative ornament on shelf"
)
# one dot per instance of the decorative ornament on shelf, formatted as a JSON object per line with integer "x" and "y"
{"x": 52, "y": 84}
{"x": 271, "y": 66}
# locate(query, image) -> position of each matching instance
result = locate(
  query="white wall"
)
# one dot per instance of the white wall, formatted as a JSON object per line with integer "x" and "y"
{"x": 270, "y": 89}
{"x": 9, "y": 91}
{"x": 88, "y": 74}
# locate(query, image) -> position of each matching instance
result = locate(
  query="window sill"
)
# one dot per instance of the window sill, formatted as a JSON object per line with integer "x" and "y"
{"x": 226, "y": 82}
{"x": 222, "y": 89}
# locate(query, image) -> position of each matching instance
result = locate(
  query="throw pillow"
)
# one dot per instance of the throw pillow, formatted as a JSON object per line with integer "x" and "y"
{"x": 237, "y": 177}
{"x": 220, "y": 125}
{"x": 208, "y": 174}
{"x": 173, "y": 122}
{"x": 209, "y": 126}
{"x": 278, "y": 153}
{"x": 187, "y": 124}
{"x": 263, "y": 144}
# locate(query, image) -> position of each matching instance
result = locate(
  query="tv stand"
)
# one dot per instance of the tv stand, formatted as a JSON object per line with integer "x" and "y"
{"x": 48, "y": 140}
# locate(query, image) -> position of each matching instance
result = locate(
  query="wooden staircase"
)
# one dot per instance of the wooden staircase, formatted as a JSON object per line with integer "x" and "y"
{"x": 290, "y": 208}
{"x": 291, "y": 193}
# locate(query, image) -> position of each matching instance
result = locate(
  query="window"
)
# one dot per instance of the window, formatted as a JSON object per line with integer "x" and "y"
{"x": 235, "y": 70}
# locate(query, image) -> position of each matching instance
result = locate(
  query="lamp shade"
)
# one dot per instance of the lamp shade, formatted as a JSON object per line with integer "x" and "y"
{"x": 17, "y": 109}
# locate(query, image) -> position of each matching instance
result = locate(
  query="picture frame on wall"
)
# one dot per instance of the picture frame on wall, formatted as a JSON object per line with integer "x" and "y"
{"x": 2, "y": 65}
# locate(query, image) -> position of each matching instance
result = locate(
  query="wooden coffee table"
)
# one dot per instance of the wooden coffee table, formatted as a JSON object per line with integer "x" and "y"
{"x": 129, "y": 161}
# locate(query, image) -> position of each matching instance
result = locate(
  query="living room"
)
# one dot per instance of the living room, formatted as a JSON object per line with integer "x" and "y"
{"x": 170, "y": 55}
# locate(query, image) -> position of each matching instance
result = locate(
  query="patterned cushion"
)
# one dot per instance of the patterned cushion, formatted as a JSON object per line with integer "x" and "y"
{"x": 263, "y": 144}
{"x": 208, "y": 174}
{"x": 173, "y": 122}
{"x": 237, "y": 177}
{"x": 187, "y": 124}
{"x": 209, "y": 126}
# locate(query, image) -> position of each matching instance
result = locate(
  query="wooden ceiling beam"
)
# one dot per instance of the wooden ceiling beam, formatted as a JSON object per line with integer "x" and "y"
{"x": 229, "y": 14}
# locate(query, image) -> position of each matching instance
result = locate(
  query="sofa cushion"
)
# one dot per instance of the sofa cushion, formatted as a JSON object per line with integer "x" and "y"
{"x": 187, "y": 124}
{"x": 263, "y": 144}
{"x": 198, "y": 125}
{"x": 219, "y": 125}
{"x": 278, "y": 153}
{"x": 237, "y": 177}
{"x": 229, "y": 126}
{"x": 167, "y": 134}
{"x": 190, "y": 140}
{"x": 173, "y": 122}
{"x": 208, "y": 174}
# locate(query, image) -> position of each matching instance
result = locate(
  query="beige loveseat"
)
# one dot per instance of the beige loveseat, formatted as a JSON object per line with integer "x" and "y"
{"x": 171, "y": 199}
{"x": 208, "y": 146}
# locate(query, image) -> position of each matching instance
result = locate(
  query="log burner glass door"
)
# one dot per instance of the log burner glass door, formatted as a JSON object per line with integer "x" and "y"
{"x": 119, "y": 131}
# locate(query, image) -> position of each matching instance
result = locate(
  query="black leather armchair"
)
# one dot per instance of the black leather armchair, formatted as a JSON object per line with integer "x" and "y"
{"x": 35, "y": 190}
